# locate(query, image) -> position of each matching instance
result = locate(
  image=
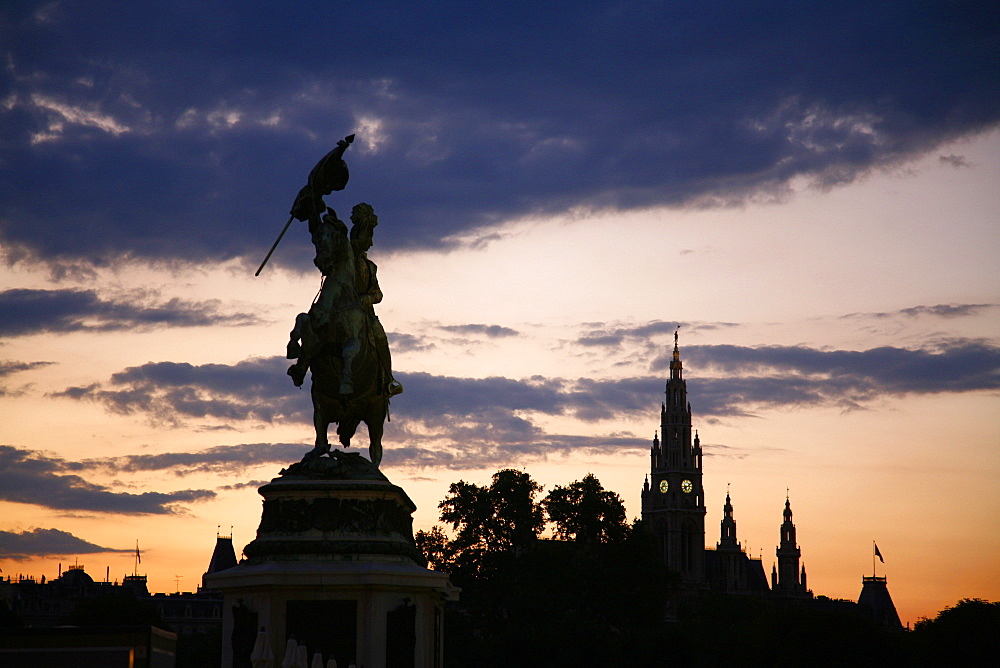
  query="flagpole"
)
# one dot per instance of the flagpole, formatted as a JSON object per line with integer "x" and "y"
{"x": 873, "y": 558}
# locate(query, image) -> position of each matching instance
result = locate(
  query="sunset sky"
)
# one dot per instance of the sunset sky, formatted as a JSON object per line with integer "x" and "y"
{"x": 810, "y": 191}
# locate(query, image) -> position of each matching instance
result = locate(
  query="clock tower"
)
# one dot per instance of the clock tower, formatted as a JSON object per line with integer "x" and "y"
{"x": 673, "y": 500}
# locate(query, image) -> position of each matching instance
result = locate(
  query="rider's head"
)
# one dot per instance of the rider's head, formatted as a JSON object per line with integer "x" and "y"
{"x": 363, "y": 221}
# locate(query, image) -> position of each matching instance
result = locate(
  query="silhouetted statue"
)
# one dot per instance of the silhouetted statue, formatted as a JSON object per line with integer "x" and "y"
{"x": 340, "y": 338}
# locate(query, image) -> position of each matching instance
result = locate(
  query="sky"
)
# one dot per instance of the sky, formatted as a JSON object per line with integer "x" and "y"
{"x": 809, "y": 191}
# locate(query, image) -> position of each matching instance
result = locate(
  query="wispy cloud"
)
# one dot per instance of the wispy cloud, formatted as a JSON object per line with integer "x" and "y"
{"x": 615, "y": 334}
{"x": 936, "y": 311}
{"x": 221, "y": 459}
{"x": 8, "y": 367}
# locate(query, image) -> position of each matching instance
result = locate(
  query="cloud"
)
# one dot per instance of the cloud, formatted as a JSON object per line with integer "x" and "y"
{"x": 35, "y": 478}
{"x": 24, "y": 312}
{"x": 955, "y": 160}
{"x": 156, "y": 132}
{"x": 491, "y": 331}
{"x": 404, "y": 343}
{"x": 499, "y": 416}
{"x": 24, "y": 545}
{"x": 10, "y": 367}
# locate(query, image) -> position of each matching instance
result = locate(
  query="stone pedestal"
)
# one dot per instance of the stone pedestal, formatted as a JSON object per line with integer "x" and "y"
{"x": 334, "y": 566}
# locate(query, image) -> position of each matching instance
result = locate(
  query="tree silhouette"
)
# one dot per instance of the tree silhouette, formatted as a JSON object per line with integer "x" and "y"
{"x": 498, "y": 518}
{"x": 584, "y": 511}
{"x": 961, "y": 634}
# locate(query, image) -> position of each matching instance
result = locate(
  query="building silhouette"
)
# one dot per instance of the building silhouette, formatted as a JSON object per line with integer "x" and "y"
{"x": 876, "y": 602}
{"x": 673, "y": 510}
{"x": 41, "y": 603}
{"x": 728, "y": 568}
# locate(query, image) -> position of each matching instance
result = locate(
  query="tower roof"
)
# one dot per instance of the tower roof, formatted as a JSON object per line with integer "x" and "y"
{"x": 877, "y": 602}
{"x": 224, "y": 555}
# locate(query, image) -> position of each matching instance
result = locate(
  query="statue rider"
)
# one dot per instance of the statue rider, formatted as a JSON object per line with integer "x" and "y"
{"x": 363, "y": 223}
{"x": 328, "y": 319}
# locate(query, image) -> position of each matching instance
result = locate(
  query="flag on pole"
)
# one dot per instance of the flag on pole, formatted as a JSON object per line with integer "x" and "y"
{"x": 877, "y": 553}
{"x": 138, "y": 557}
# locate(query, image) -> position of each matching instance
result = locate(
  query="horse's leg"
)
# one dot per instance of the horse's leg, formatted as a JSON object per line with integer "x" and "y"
{"x": 346, "y": 430}
{"x": 322, "y": 423}
{"x": 375, "y": 427}
{"x": 302, "y": 331}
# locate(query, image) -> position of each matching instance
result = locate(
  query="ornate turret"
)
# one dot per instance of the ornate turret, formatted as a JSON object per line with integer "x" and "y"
{"x": 787, "y": 580}
{"x": 728, "y": 538}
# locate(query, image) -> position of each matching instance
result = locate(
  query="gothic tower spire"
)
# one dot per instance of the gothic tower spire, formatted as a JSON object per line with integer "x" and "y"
{"x": 673, "y": 507}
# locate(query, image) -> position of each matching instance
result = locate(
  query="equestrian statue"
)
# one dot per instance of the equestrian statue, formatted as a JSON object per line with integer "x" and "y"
{"x": 340, "y": 339}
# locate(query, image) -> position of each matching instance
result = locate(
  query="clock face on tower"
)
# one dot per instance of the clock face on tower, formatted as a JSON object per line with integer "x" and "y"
{"x": 686, "y": 486}
{"x": 664, "y": 486}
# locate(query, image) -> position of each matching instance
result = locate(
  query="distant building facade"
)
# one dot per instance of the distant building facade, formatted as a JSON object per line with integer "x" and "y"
{"x": 42, "y": 604}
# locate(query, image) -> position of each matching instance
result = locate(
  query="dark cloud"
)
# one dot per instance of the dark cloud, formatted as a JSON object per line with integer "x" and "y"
{"x": 184, "y": 131}
{"x": 770, "y": 376}
{"x": 170, "y": 392}
{"x": 492, "y": 331}
{"x": 24, "y": 312}
{"x": 36, "y": 478}
{"x": 23, "y": 545}
{"x": 939, "y": 311}
{"x": 403, "y": 343}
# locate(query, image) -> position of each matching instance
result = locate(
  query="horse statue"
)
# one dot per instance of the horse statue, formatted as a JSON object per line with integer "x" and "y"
{"x": 349, "y": 385}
